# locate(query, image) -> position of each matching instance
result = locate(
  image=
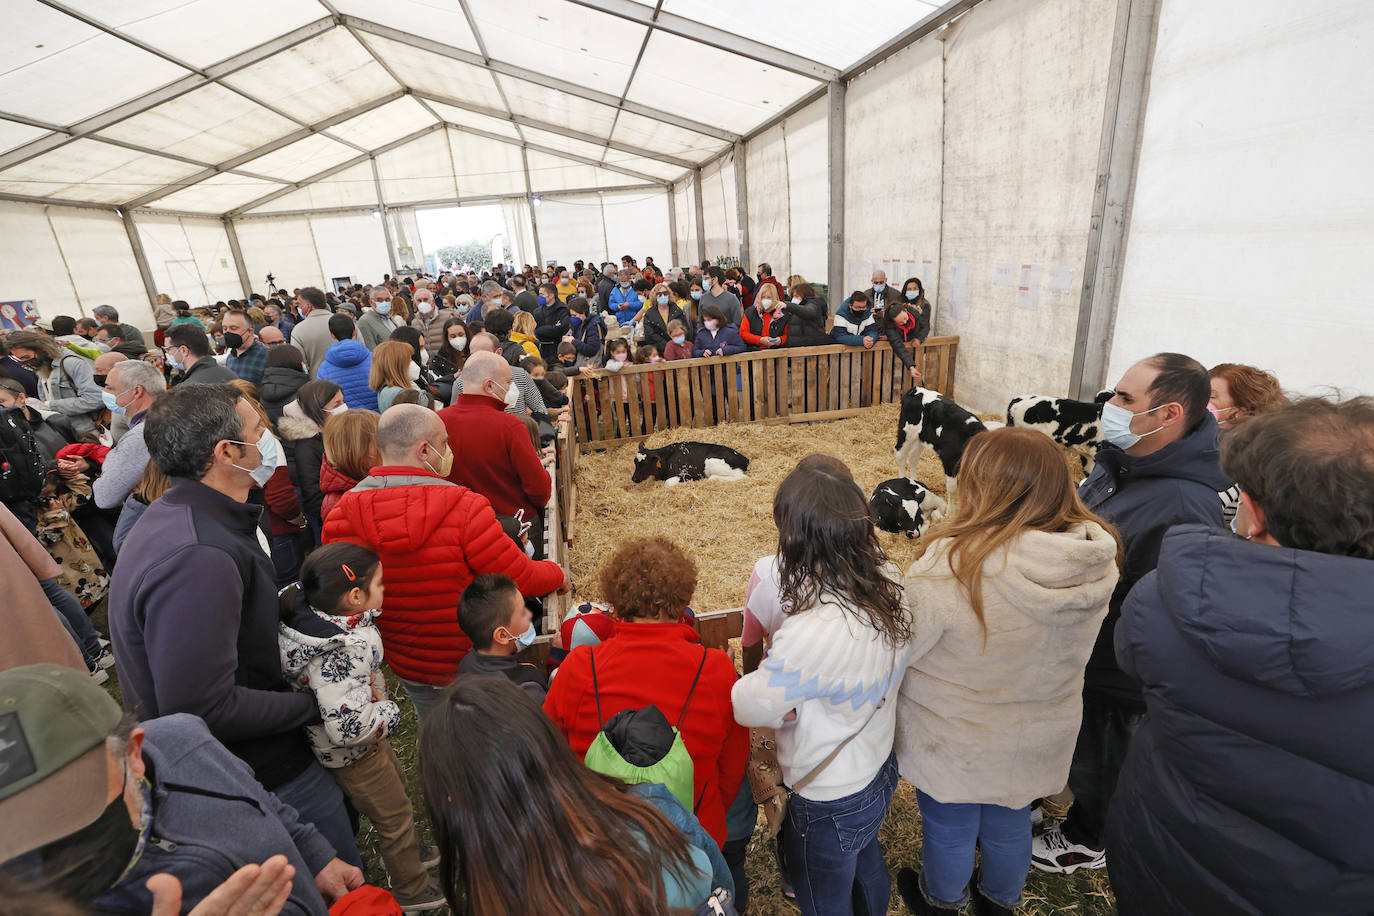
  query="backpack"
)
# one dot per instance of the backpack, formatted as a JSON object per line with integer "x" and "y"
{"x": 22, "y": 467}
{"x": 638, "y": 745}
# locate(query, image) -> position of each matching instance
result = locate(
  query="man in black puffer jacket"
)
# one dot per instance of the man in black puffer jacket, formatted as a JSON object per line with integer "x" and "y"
{"x": 1249, "y": 789}
{"x": 1160, "y": 469}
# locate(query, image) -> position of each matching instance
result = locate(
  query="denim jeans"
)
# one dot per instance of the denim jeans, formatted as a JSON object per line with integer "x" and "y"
{"x": 832, "y": 853}
{"x": 318, "y": 800}
{"x": 74, "y": 619}
{"x": 422, "y": 696}
{"x": 740, "y": 820}
{"x": 951, "y": 833}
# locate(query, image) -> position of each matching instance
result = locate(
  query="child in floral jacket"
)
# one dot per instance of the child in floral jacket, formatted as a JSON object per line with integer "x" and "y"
{"x": 330, "y": 646}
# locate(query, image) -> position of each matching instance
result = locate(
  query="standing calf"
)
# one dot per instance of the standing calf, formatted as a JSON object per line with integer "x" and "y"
{"x": 930, "y": 418}
{"x": 1076, "y": 425}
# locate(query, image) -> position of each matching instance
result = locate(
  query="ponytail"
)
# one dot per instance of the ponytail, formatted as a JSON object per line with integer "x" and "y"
{"x": 331, "y": 572}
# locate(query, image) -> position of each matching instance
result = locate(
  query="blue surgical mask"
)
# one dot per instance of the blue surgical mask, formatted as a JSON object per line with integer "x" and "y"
{"x": 1116, "y": 425}
{"x": 383, "y": 308}
{"x": 696, "y": 294}
{"x": 111, "y": 402}
{"x": 662, "y": 300}
{"x": 911, "y": 295}
{"x": 543, "y": 300}
{"x": 525, "y": 639}
{"x": 624, "y": 284}
{"x": 172, "y": 360}
{"x": 270, "y": 454}
{"x": 879, "y": 287}
{"x": 680, "y": 339}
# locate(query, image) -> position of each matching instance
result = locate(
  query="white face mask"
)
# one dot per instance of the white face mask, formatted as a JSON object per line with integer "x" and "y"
{"x": 413, "y": 371}
{"x": 425, "y": 307}
{"x": 766, "y": 304}
{"x": 270, "y": 455}
{"x": 796, "y": 300}
{"x": 1116, "y": 425}
{"x": 511, "y": 397}
{"x": 458, "y": 343}
{"x": 342, "y": 408}
{"x": 711, "y": 324}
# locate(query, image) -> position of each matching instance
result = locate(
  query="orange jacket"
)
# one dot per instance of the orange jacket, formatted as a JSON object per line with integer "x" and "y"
{"x": 433, "y": 538}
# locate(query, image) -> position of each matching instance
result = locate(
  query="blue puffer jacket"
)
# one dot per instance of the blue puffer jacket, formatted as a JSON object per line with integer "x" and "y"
{"x": 1144, "y": 497}
{"x": 1249, "y": 789}
{"x": 211, "y": 818}
{"x": 625, "y": 303}
{"x": 348, "y": 364}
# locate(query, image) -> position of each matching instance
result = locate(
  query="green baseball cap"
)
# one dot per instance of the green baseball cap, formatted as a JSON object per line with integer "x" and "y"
{"x": 53, "y": 764}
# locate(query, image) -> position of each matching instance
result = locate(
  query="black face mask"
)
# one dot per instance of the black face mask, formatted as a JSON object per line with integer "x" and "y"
{"x": 99, "y": 380}
{"x": 232, "y": 341}
{"x": 84, "y": 865}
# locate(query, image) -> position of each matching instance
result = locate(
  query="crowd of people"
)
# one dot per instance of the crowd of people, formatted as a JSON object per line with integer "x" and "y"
{"x": 279, "y": 497}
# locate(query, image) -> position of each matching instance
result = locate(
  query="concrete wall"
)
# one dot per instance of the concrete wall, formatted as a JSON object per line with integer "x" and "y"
{"x": 1250, "y": 233}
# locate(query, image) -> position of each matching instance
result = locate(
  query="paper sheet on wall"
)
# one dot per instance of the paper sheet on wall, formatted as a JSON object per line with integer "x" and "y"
{"x": 1004, "y": 275}
{"x": 1028, "y": 292}
{"x": 1061, "y": 279}
{"x": 958, "y": 290}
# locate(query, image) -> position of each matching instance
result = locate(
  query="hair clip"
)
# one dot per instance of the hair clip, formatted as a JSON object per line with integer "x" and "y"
{"x": 348, "y": 572}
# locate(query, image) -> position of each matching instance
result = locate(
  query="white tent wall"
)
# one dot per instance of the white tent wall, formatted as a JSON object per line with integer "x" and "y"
{"x": 347, "y": 245}
{"x": 189, "y": 258}
{"x": 1024, "y": 95}
{"x": 571, "y": 228}
{"x": 637, "y": 225}
{"x": 604, "y": 226}
{"x": 1250, "y": 235}
{"x": 283, "y": 246}
{"x": 31, "y": 265}
{"x": 892, "y": 201}
{"x": 519, "y": 231}
{"x": 405, "y": 233}
{"x": 719, "y": 213}
{"x": 788, "y": 193}
{"x": 684, "y": 210}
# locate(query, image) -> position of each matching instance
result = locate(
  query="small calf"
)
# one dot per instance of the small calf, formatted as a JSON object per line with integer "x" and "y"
{"x": 1076, "y": 425}
{"x": 681, "y": 461}
{"x": 903, "y": 505}
{"x": 930, "y": 418}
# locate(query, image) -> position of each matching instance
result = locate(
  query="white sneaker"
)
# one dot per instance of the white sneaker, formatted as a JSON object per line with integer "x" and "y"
{"x": 1052, "y": 852}
{"x": 100, "y": 676}
{"x": 1037, "y": 816}
{"x": 106, "y": 659}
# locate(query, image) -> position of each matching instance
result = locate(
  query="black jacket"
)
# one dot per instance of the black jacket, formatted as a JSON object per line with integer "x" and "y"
{"x": 278, "y": 388}
{"x": 526, "y": 301}
{"x": 603, "y": 292}
{"x": 1144, "y": 497}
{"x": 551, "y": 324}
{"x": 303, "y": 443}
{"x": 918, "y": 330}
{"x": 206, "y": 371}
{"x": 806, "y": 326}
{"x": 656, "y": 328}
{"x": 1249, "y": 788}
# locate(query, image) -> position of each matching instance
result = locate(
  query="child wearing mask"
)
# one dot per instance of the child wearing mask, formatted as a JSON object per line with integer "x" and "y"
{"x": 493, "y": 615}
{"x": 716, "y": 338}
{"x": 677, "y": 346}
{"x": 331, "y": 647}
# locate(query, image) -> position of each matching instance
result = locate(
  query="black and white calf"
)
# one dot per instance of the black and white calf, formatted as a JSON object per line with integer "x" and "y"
{"x": 930, "y": 418}
{"x": 681, "y": 461}
{"x": 1076, "y": 425}
{"x": 904, "y": 506}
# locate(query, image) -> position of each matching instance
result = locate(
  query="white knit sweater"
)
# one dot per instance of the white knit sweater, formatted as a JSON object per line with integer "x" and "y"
{"x": 830, "y": 666}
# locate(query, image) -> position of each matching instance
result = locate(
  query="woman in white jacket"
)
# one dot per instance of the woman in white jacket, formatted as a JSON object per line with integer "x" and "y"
{"x": 829, "y": 687}
{"x": 1007, "y": 598}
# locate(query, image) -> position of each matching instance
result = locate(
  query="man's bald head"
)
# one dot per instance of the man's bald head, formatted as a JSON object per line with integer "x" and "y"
{"x": 879, "y": 278}
{"x": 409, "y": 435}
{"x": 483, "y": 342}
{"x": 271, "y": 336}
{"x": 106, "y": 361}
{"x": 488, "y": 374}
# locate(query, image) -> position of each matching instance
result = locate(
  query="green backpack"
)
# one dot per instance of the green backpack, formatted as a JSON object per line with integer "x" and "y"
{"x": 638, "y": 745}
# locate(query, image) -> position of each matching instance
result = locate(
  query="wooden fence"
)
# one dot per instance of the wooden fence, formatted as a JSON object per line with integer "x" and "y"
{"x": 767, "y": 386}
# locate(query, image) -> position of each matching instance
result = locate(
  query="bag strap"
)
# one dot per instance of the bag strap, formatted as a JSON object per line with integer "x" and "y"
{"x": 596, "y": 691}
{"x": 830, "y": 758}
{"x": 688, "y": 702}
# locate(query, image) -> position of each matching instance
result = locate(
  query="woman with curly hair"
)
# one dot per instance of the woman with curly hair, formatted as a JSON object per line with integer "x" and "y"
{"x": 656, "y": 658}
{"x": 1240, "y": 391}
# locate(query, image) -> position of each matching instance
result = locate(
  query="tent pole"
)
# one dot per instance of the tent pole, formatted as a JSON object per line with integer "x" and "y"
{"x": 701, "y": 215}
{"x": 1128, "y": 87}
{"x": 237, "y": 253}
{"x": 529, "y": 202}
{"x": 140, "y": 257}
{"x": 742, "y": 206}
{"x": 834, "y": 276}
{"x": 672, "y": 227}
{"x": 386, "y": 224}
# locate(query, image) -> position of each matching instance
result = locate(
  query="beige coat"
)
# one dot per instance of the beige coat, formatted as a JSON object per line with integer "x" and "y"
{"x": 996, "y": 724}
{"x": 33, "y": 633}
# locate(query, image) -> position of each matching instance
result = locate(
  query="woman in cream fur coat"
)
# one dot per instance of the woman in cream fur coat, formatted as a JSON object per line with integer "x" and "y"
{"x": 1007, "y": 599}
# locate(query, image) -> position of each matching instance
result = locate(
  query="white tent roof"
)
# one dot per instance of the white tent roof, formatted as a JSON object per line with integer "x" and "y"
{"x": 271, "y": 106}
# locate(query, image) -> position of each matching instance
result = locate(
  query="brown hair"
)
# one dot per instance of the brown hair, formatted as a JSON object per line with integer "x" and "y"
{"x": 390, "y": 365}
{"x": 1010, "y": 481}
{"x": 804, "y": 290}
{"x": 1252, "y": 390}
{"x": 1310, "y": 467}
{"x": 350, "y": 442}
{"x": 151, "y": 485}
{"x": 653, "y": 578}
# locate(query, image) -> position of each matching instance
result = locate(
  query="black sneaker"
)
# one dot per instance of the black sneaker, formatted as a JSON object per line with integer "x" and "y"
{"x": 909, "y": 887}
{"x": 1056, "y": 854}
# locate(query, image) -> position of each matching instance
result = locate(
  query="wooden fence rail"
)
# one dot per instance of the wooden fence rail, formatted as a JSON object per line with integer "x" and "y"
{"x": 767, "y": 386}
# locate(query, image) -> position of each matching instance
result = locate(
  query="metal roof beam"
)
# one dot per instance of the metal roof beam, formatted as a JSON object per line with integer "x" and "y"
{"x": 551, "y": 151}
{"x": 429, "y": 204}
{"x": 52, "y": 201}
{"x": 713, "y": 37}
{"x": 333, "y": 170}
{"x": 166, "y": 93}
{"x": 531, "y": 76}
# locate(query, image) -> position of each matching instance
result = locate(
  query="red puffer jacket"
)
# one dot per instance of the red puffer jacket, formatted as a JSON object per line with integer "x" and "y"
{"x": 433, "y": 537}
{"x": 334, "y": 483}
{"x": 655, "y": 663}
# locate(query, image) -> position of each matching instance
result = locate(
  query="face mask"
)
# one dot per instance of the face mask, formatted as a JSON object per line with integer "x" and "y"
{"x": 511, "y": 396}
{"x": 86, "y": 864}
{"x": 625, "y": 284}
{"x": 173, "y": 361}
{"x": 766, "y": 305}
{"x": 445, "y": 465}
{"x": 1216, "y": 411}
{"x": 796, "y": 300}
{"x": 543, "y": 300}
{"x": 233, "y": 341}
{"x": 413, "y": 370}
{"x": 458, "y": 343}
{"x": 382, "y": 308}
{"x": 879, "y": 287}
{"x": 575, "y": 320}
{"x": 426, "y": 307}
{"x": 342, "y": 408}
{"x": 270, "y": 458}
{"x": 525, "y": 639}
{"x": 100, "y": 379}
{"x": 111, "y": 402}
{"x": 662, "y": 300}
{"x": 1116, "y": 425}
{"x": 696, "y": 294}
{"x": 463, "y": 311}
{"x": 680, "y": 339}
{"x": 911, "y": 295}
{"x": 711, "y": 324}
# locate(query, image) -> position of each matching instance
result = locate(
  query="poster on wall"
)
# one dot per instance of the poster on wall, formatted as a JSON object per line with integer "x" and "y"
{"x": 1028, "y": 290}
{"x": 17, "y": 313}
